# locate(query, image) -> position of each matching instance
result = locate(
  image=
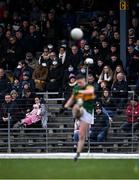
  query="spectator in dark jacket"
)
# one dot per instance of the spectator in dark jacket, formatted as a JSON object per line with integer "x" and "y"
{"x": 15, "y": 85}
{"x": 52, "y": 29}
{"x": 96, "y": 53}
{"x": 63, "y": 57}
{"x": 21, "y": 68}
{"x": 33, "y": 40}
{"x": 99, "y": 67}
{"x": 27, "y": 100}
{"x": 114, "y": 61}
{"x": 20, "y": 39}
{"x": 27, "y": 80}
{"x": 11, "y": 107}
{"x": 132, "y": 63}
{"x": 92, "y": 81}
{"x": 101, "y": 125}
{"x": 75, "y": 57}
{"x": 120, "y": 91}
{"x": 13, "y": 53}
{"x": 55, "y": 77}
{"x": 116, "y": 38}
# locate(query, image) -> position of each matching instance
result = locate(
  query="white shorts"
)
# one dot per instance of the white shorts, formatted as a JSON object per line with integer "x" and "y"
{"x": 87, "y": 117}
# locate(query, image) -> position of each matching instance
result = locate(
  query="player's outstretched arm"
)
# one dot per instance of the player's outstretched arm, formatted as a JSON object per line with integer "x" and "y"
{"x": 69, "y": 102}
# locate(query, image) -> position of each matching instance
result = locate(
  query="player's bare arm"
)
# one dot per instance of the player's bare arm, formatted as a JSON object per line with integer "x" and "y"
{"x": 70, "y": 102}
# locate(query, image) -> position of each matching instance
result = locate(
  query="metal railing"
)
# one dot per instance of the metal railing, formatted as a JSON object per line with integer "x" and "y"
{"x": 58, "y": 136}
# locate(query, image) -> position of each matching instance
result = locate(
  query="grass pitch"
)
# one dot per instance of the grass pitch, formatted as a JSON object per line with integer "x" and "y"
{"x": 68, "y": 169}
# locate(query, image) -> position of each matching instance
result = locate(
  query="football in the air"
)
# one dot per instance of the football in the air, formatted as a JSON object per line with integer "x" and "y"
{"x": 76, "y": 34}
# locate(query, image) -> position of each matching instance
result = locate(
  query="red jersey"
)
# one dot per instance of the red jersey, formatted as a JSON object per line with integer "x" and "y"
{"x": 132, "y": 112}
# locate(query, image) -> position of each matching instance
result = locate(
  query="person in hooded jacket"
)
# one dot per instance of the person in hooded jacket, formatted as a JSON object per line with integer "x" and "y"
{"x": 132, "y": 114}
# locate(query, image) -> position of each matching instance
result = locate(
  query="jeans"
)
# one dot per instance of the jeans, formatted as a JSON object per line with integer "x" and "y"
{"x": 99, "y": 136}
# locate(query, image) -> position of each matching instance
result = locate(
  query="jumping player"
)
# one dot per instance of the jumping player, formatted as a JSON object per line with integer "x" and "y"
{"x": 82, "y": 104}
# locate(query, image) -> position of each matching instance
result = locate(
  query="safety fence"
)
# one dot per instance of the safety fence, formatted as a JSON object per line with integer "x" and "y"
{"x": 58, "y": 135}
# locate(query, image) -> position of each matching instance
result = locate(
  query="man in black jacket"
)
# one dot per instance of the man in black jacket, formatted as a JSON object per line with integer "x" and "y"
{"x": 75, "y": 58}
{"x": 101, "y": 125}
{"x": 8, "y": 107}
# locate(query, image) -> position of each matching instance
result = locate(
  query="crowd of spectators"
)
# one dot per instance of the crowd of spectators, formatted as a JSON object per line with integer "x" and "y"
{"x": 37, "y": 53}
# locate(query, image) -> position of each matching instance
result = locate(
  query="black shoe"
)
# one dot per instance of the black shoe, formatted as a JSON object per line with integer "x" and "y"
{"x": 77, "y": 156}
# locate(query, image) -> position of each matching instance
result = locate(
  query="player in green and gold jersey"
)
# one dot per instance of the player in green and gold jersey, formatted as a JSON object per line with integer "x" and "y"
{"x": 82, "y": 99}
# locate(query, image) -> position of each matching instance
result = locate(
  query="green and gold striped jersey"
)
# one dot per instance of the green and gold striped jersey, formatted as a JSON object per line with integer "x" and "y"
{"x": 88, "y": 99}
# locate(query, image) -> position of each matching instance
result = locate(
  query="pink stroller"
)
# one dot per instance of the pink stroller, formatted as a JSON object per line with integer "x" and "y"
{"x": 33, "y": 116}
